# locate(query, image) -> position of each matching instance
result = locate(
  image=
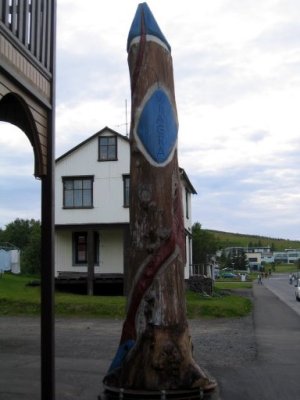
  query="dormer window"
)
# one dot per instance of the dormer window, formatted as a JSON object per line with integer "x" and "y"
{"x": 107, "y": 148}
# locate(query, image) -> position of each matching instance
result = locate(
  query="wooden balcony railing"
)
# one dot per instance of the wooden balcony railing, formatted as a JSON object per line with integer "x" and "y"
{"x": 29, "y": 21}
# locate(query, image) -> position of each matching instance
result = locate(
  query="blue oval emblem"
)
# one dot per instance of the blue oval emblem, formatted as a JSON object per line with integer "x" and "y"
{"x": 157, "y": 127}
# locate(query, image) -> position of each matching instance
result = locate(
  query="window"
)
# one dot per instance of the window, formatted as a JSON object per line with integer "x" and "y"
{"x": 187, "y": 208}
{"x": 190, "y": 250}
{"x": 107, "y": 148}
{"x": 78, "y": 192}
{"x": 80, "y": 248}
{"x": 126, "y": 187}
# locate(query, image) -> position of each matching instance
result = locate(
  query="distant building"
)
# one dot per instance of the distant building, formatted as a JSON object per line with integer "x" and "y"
{"x": 9, "y": 258}
{"x": 280, "y": 257}
{"x": 258, "y": 256}
{"x": 234, "y": 251}
{"x": 292, "y": 255}
{"x": 259, "y": 249}
{"x": 267, "y": 258}
{"x": 254, "y": 260}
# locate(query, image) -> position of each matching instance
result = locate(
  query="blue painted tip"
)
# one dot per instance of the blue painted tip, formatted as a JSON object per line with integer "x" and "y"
{"x": 143, "y": 13}
{"x": 121, "y": 354}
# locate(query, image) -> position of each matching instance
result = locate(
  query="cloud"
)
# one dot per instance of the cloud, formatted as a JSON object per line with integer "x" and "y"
{"x": 258, "y": 136}
{"x": 19, "y": 198}
{"x": 19, "y": 190}
{"x": 237, "y": 83}
{"x": 16, "y": 152}
{"x": 284, "y": 36}
{"x": 259, "y": 199}
{"x": 74, "y": 121}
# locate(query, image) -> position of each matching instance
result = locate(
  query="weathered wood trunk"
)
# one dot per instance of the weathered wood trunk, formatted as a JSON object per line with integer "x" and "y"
{"x": 155, "y": 350}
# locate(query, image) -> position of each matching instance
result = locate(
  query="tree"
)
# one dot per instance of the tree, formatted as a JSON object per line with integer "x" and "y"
{"x": 204, "y": 244}
{"x": 223, "y": 260}
{"x": 31, "y": 254}
{"x": 228, "y": 261}
{"x": 240, "y": 262}
{"x": 26, "y": 235}
{"x": 18, "y": 232}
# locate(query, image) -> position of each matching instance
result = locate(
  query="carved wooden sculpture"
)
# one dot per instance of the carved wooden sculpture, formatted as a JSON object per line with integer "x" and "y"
{"x": 155, "y": 351}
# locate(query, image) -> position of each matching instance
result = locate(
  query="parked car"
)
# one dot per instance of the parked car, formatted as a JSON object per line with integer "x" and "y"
{"x": 297, "y": 290}
{"x": 229, "y": 275}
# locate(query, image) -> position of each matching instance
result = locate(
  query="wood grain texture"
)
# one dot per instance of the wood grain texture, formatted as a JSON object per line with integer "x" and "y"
{"x": 155, "y": 350}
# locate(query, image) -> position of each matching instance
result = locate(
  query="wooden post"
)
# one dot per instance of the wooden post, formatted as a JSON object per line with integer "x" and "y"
{"x": 90, "y": 262}
{"x": 155, "y": 351}
{"x": 126, "y": 247}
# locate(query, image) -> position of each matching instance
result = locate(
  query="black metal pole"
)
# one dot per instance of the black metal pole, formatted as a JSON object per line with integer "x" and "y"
{"x": 47, "y": 294}
{"x": 47, "y": 245}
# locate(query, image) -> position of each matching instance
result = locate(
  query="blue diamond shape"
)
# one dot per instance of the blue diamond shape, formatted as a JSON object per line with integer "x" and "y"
{"x": 157, "y": 127}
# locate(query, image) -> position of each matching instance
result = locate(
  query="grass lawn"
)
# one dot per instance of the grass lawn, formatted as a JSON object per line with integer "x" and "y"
{"x": 17, "y": 298}
{"x": 233, "y": 285}
{"x": 285, "y": 268}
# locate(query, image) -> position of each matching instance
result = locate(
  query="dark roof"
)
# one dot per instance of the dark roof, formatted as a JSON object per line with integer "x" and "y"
{"x": 91, "y": 138}
{"x": 188, "y": 182}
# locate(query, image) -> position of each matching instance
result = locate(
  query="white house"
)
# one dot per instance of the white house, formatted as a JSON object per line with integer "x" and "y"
{"x": 254, "y": 259}
{"x": 92, "y": 205}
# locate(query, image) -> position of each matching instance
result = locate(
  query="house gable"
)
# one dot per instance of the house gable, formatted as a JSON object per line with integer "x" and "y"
{"x": 103, "y": 132}
{"x": 82, "y": 161}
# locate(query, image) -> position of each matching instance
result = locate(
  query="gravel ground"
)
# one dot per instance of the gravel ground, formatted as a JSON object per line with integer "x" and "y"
{"x": 224, "y": 341}
{"x": 221, "y": 341}
{"x": 86, "y": 347}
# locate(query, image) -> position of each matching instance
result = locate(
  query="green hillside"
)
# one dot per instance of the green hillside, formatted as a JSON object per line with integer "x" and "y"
{"x": 227, "y": 239}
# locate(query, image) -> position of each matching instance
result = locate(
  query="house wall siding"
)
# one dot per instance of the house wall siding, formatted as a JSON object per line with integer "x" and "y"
{"x": 108, "y": 207}
{"x": 63, "y": 251}
{"x": 107, "y": 190}
{"x": 110, "y": 252}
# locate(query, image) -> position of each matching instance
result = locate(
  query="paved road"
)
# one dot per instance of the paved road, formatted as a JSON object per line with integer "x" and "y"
{"x": 280, "y": 286}
{"x": 274, "y": 374}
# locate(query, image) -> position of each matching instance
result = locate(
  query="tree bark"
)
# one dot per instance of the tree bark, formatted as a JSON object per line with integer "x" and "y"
{"x": 155, "y": 351}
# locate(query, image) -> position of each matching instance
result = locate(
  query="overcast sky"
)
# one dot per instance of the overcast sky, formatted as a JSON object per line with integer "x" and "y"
{"x": 237, "y": 83}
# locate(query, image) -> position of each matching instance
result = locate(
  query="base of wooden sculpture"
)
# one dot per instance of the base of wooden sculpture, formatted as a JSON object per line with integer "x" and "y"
{"x": 160, "y": 360}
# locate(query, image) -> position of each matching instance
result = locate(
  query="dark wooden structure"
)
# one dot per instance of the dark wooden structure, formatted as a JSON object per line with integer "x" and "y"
{"x": 27, "y": 100}
{"x": 102, "y": 284}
